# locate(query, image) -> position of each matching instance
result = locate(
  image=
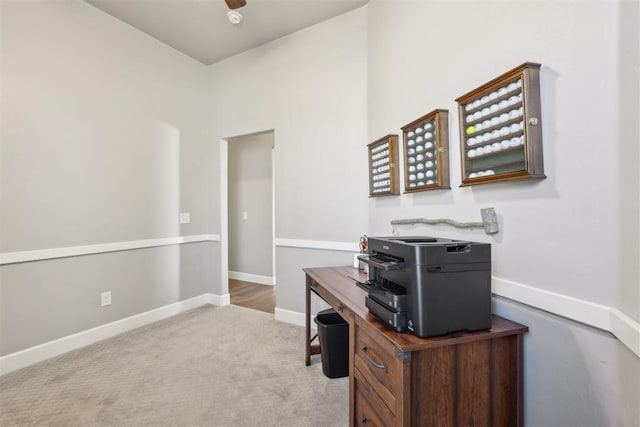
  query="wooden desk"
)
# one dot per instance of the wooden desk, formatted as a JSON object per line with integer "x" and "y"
{"x": 398, "y": 379}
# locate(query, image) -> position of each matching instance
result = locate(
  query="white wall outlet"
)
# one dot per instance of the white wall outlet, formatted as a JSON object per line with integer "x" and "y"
{"x": 185, "y": 218}
{"x": 245, "y": 215}
{"x": 105, "y": 299}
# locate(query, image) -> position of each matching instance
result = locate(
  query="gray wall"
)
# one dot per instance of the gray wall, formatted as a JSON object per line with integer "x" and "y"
{"x": 250, "y": 190}
{"x": 580, "y": 242}
{"x": 291, "y": 278}
{"x": 315, "y": 101}
{"x": 574, "y": 375}
{"x": 103, "y": 144}
{"x": 310, "y": 88}
{"x": 46, "y": 300}
{"x": 421, "y": 56}
{"x": 571, "y": 237}
{"x": 105, "y": 139}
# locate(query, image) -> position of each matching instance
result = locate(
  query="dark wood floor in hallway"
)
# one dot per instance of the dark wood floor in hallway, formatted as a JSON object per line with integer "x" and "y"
{"x": 252, "y": 295}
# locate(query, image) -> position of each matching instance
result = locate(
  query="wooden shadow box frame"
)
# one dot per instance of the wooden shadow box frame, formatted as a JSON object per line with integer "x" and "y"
{"x": 383, "y": 167}
{"x": 501, "y": 128}
{"x": 426, "y": 152}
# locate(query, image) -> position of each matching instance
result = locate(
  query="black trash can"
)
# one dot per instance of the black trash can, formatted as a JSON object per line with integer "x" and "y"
{"x": 333, "y": 333}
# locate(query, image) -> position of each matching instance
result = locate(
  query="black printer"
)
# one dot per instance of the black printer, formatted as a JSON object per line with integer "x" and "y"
{"x": 428, "y": 285}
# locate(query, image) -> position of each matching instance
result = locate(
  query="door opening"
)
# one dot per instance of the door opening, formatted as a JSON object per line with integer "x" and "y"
{"x": 248, "y": 220}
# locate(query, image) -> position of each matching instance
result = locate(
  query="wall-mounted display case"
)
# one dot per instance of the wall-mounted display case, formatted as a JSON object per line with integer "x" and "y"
{"x": 383, "y": 167}
{"x": 426, "y": 152}
{"x": 501, "y": 129}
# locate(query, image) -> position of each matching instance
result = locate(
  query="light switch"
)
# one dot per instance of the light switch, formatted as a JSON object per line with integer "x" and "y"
{"x": 185, "y": 218}
{"x": 245, "y": 215}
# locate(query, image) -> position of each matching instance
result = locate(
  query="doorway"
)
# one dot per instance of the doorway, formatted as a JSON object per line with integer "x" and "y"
{"x": 252, "y": 295}
{"x": 248, "y": 220}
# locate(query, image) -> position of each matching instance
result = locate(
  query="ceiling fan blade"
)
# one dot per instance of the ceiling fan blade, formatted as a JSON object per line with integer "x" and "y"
{"x": 235, "y": 4}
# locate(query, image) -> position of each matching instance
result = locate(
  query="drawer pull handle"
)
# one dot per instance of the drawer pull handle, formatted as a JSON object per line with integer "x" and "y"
{"x": 340, "y": 308}
{"x": 371, "y": 361}
{"x": 363, "y": 421}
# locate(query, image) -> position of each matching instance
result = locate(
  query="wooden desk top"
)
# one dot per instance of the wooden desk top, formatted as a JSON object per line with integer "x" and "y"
{"x": 340, "y": 281}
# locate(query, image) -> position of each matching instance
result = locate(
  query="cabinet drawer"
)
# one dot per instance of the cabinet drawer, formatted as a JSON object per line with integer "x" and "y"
{"x": 366, "y": 400}
{"x": 329, "y": 298}
{"x": 378, "y": 364}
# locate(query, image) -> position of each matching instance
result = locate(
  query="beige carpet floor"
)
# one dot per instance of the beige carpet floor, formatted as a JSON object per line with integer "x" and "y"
{"x": 212, "y": 366}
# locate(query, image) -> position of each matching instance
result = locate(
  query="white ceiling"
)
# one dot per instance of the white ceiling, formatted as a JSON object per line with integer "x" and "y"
{"x": 200, "y": 28}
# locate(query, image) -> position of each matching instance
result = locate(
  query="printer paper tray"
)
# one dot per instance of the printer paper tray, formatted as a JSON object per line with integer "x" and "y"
{"x": 396, "y": 321}
{"x": 384, "y": 262}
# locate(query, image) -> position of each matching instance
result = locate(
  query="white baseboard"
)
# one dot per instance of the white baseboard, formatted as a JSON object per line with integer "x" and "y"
{"x": 30, "y": 356}
{"x": 219, "y": 300}
{"x": 254, "y": 278}
{"x": 288, "y": 316}
{"x": 602, "y": 317}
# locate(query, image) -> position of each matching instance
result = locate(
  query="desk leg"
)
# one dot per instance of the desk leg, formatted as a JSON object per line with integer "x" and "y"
{"x": 309, "y": 349}
{"x": 352, "y": 372}
{"x": 307, "y": 321}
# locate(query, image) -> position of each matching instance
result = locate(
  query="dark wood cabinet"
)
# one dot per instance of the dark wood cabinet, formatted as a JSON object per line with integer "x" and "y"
{"x": 398, "y": 379}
